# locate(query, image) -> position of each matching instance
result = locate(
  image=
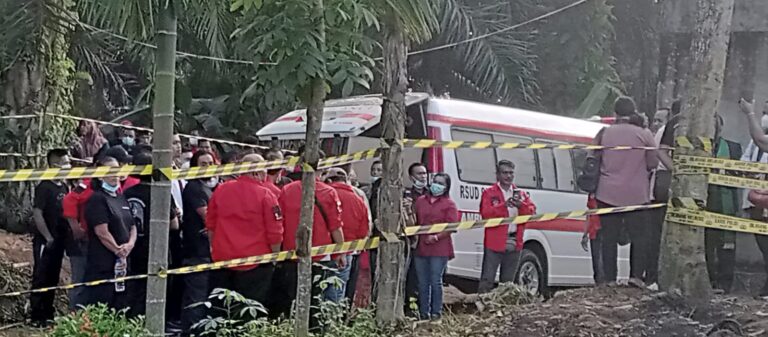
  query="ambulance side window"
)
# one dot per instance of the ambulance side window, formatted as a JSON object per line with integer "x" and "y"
{"x": 564, "y": 165}
{"x": 475, "y": 166}
{"x": 549, "y": 179}
{"x": 524, "y": 160}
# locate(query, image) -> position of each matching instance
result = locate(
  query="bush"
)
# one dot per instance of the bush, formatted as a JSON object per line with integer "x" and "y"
{"x": 239, "y": 319}
{"x": 98, "y": 320}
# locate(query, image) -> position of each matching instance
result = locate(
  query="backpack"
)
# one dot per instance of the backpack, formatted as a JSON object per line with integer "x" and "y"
{"x": 589, "y": 176}
{"x": 138, "y": 207}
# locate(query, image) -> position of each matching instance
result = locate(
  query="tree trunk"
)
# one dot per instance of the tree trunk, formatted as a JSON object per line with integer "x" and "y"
{"x": 390, "y": 279}
{"x": 162, "y": 157}
{"x": 310, "y": 158}
{"x": 683, "y": 267}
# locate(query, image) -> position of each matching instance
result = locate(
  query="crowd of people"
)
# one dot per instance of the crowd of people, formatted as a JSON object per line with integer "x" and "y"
{"x": 103, "y": 224}
{"x": 639, "y": 177}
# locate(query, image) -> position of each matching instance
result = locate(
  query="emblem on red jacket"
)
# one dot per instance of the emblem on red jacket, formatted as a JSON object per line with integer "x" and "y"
{"x": 278, "y": 213}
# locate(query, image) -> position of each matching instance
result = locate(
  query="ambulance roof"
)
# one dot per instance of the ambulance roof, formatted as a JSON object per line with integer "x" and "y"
{"x": 347, "y": 117}
{"x": 495, "y": 117}
{"x": 352, "y": 116}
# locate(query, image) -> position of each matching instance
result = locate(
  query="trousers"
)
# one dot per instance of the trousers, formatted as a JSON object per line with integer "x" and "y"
{"x": 504, "y": 262}
{"x": 430, "y": 274}
{"x": 45, "y": 273}
{"x": 196, "y": 290}
{"x": 721, "y": 258}
{"x": 614, "y": 228}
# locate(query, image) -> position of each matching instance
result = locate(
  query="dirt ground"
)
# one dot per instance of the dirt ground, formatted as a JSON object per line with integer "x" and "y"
{"x": 601, "y": 312}
{"x": 16, "y": 274}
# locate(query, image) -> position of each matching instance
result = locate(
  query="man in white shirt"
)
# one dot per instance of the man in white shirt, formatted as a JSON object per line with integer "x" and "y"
{"x": 752, "y": 153}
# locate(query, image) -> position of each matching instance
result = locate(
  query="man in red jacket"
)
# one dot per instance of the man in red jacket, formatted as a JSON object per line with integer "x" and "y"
{"x": 503, "y": 243}
{"x": 354, "y": 215}
{"x": 326, "y": 230}
{"x": 244, "y": 219}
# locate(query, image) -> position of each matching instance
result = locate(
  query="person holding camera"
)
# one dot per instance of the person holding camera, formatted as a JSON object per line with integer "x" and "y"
{"x": 503, "y": 243}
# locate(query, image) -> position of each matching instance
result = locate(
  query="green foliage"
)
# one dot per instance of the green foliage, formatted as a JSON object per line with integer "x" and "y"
{"x": 287, "y": 35}
{"x": 98, "y": 320}
{"x": 574, "y": 51}
{"x": 497, "y": 69}
{"x": 240, "y": 319}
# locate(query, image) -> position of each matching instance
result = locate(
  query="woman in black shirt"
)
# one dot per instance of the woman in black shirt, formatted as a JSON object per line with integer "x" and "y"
{"x": 196, "y": 245}
{"x": 112, "y": 236}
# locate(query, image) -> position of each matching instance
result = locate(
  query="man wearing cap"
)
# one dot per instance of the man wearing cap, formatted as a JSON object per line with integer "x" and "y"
{"x": 356, "y": 220}
{"x": 244, "y": 219}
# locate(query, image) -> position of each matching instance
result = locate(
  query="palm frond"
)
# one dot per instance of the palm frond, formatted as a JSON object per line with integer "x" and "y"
{"x": 503, "y": 65}
{"x": 22, "y": 25}
{"x": 420, "y": 18}
{"x": 97, "y": 54}
{"x": 208, "y": 25}
{"x": 132, "y": 18}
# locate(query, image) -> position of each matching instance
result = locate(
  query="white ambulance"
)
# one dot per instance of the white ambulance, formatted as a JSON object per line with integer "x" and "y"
{"x": 553, "y": 256}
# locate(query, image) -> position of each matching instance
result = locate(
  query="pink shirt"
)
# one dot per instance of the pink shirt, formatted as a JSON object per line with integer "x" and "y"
{"x": 625, "y": 174}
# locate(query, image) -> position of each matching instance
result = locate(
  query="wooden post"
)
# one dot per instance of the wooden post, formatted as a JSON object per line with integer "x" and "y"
{"x": 162, "y": 157}
{"x": 391, "y": 275}
{"x": 683, "y": 266}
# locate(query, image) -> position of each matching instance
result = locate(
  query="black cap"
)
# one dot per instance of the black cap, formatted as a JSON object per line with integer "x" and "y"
{"x": 119, "y": 153}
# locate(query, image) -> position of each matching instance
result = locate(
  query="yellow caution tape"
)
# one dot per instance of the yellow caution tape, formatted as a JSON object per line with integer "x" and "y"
{"x": 488, "y": 223}
{"x": 345, "y": 247}
{"x": 699, "y": 143}
{"x": 138, "y": 128}
{"x": 460, "y": 144}
{"x": 73, "y": 173}
{"x": 706, "y": 219}
{"x": 230, "y": 169}
{"x": 720, "y": 163}
{"x": 353, "y": 245}
{"x": 190, "y": 173}
{"x": 739, "y": 182}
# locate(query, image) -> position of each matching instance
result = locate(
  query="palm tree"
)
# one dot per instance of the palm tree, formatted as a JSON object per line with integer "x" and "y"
{"x": 499, "y": 69}
{"x": 36, "y": 78}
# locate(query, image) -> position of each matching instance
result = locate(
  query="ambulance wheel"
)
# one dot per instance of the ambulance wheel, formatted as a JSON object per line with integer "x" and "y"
{"x": 531, "y": 274}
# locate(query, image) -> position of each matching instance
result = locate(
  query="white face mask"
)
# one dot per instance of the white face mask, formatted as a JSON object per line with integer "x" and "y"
{"x": 212, "y": 182}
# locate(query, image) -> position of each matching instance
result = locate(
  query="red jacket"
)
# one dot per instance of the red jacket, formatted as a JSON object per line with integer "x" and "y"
{"x": 429, "y": 211}
{"x": 268, "y": 184}
{"x": 244, "y": 219}
{"x": 73, "y": 204}
{"x": 354, "y": 214}
{"x": 493, "y": 205}
{"x": 593, "y": 221}
{"x": 322, "y": 226}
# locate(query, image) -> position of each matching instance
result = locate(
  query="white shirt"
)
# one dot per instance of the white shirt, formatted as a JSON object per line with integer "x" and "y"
{"x": 176, "y": 187}
{"x": 512, "y": 210}
{"x": 750, "y": 155}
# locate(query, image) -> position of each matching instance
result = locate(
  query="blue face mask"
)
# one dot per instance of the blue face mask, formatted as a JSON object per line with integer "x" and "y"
{"x": 437, "y": 189}
{"x": 109, "y": 188}
{"x": 128, "y": 141}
